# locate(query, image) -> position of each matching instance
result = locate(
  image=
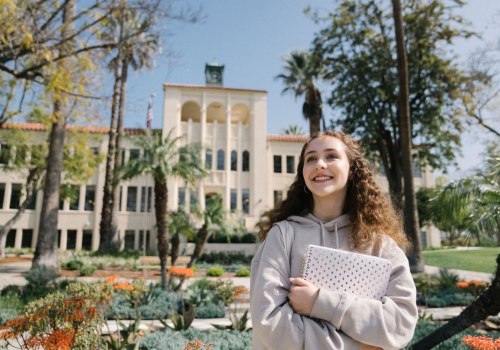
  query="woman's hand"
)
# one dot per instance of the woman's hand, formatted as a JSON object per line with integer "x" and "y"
{"x": 302, "y": 295}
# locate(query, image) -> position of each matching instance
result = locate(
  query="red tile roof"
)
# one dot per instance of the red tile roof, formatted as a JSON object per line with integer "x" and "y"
{"x": 84, "y": 128}
{"x": 287, "y": 138}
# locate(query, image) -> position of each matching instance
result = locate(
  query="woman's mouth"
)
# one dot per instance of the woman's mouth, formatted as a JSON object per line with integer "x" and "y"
{"x": 321, "y": 178}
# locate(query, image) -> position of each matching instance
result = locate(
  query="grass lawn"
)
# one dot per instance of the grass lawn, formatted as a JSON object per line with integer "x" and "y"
{"x": 480, "y": 260}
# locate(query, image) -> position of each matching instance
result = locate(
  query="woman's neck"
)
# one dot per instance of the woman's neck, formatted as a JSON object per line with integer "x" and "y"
{"x": 326, "y": 210}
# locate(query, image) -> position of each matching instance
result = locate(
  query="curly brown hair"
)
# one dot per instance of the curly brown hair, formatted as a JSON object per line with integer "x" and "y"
{"x": 370, "y": 210}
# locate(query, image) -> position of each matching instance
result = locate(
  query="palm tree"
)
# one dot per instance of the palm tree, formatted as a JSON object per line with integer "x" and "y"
{"x": 163, "y": 158}
{"x": 481, "y": 194}
{"x": 178, "y": 225}
{"x": 214, "y": 216}
{"x": 136, "y": 47}
{"x": 301, "y": 71}
{"x": 293, "y": 129}
{"x": 410, "y": 202}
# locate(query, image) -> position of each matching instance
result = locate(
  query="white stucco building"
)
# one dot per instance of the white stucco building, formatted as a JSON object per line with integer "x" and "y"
{"x": 248, "y": 168}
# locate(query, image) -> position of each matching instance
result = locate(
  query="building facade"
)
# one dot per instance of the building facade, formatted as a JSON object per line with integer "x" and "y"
{"x": 249, "y": 169}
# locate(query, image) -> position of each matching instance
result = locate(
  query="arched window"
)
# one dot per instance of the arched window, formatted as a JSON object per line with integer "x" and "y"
{"x": 246, "y": 161}
{"x": 220, "y": 159}
{"x": 234, "y": 160}
{"x": 208, "y": 159}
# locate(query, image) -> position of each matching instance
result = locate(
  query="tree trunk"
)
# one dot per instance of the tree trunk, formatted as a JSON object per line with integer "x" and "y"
{"x": 487, "y": 304}
{"x": 161, "y": 200}
{"x": 106, "y": 227}
{"x": 115, "y": 237}
{"x": 410, "y": 203}
{"x": 174, "y": 249}
{"x": 201, "y": 240}
{"x": 46, "y": 248}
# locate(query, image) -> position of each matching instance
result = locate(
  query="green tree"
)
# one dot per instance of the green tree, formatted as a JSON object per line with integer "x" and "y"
{"x": 301, "y": 72}
{"x": 358, "y": 52}
{"x": 136, "y": 44}
{"x": 179, "y": 224}
{"x": 410, "y": 203}
{"x": 293, "y": 129}
{"x": 472, "y": 205}
{"x": 164, "y": 158}
{"x": 46, "y": 247}
{"x": 214, "y": 217}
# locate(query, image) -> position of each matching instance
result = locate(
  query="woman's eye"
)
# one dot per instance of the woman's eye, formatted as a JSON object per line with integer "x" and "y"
{"x": 331, "y": 156}
{"x": 310, "y": 159}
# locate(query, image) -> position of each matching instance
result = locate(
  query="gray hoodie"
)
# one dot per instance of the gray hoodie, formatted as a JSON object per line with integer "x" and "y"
{"x": 338, "y": 320}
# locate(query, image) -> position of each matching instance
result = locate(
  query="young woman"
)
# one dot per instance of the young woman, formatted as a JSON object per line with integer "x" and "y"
{"x": 333, "y": 202}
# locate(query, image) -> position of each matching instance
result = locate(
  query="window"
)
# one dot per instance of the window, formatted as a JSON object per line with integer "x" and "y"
{"x": 415, "y": 168}
{"x": 132, "y": 198}
{"x": 208, "y": 159}
{"x": 122, "y": 155}
{"x": 15, "y": 196}
{"x": 2, "y": 195}
{"x": 120, "y": 207}
{"x": 290, "y": 164}
{"x": 4, "y": 153}
{"x": 90, "y": 198}
{"x": 141, "y": 240}
{"x": 71, "y": 239}
{"x": 278, "y": 197}
{"x": 87, "y": 240}
{"x": 277, "y": 164}
{"x": 31, "y": 205}
{"x": 74, "y": 197}
{"x": 233, "y": 199}
{"x": 245, "y": 200}
{"x": 220, "y": 160}
{"x": 134, "y": 154}
{"x": 146, "y": 193}
{"x": 129, "y": 239}
{"x": 11, "y": 239}
{"x": 246, "y": 161}
{"x": 234, "y": 161}
{"x": 182, "y": 197}
{"x": 27, "y": 238}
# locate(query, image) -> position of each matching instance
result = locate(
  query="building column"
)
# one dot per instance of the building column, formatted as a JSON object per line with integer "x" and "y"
{"x": 79, "y": 238}
{"x": 18, "y": 234}
{"x": 227, "y": 194}
{"x": 64, "y": 239}
{"x": 204, "y": 146}
{"x": 239, "y": 167}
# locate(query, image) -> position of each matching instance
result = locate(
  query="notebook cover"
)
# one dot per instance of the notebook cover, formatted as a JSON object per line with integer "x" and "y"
{"x": 339, "y": 270}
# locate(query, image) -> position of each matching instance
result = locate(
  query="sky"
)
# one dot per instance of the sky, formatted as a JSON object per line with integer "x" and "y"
{"x": 251, "y": 38}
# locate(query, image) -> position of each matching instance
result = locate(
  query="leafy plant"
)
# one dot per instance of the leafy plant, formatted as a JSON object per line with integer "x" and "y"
{"x": 243, "y": 272}
{"x": 216, "y": 271}
{"x": 87, "y": 270}
{"x": 237, "y": 323}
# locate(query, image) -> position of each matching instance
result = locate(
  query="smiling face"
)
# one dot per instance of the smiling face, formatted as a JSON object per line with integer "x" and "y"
{"x": 326, "y": 169}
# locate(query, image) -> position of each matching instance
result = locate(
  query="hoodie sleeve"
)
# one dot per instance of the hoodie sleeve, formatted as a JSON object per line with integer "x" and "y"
{"x": 389, "y": 323}
{"x": 275, "y": 324}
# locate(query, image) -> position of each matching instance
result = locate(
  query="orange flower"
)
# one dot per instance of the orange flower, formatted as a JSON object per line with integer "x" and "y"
{"x": 123, "y": 285}
{"x": 179, "y": 271}
{"x": 112, "y": 279}
{"x": 239, "y": 291}
{"x": 481, "y": 343}
{"x": 462, "y": 284}
{"x": 476, "y": 283}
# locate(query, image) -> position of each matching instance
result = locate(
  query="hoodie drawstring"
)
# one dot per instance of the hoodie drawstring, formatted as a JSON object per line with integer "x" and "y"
{"x": 336, "y": 236}
{"x": 322, "y": 228}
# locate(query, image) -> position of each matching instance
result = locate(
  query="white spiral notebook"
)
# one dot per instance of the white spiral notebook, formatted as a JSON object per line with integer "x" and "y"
{"x": 339, "y": 270}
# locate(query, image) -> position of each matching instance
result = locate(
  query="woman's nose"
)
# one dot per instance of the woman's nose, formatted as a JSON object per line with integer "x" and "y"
{"x": 320, "y": 164}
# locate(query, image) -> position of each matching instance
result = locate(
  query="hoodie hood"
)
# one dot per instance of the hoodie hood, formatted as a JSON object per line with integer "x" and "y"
{"x": 328, "y": 228}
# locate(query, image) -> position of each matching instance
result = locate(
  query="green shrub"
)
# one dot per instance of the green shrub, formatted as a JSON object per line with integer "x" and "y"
{"x": 220, "y": 340}
{"x": 87, "y": 270}
{"x": 248, "y": 238}
{"x": 243, "y": 272}
{"x": 41, "y": 276}
{"x": 226, "y": 258}
{"x": 216, "y": 271}
{"x": 72, "y": 265}
{"x": 211, "y": 310}
{"x": 159, "y": 304}
{"x": 449, "y": 297}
